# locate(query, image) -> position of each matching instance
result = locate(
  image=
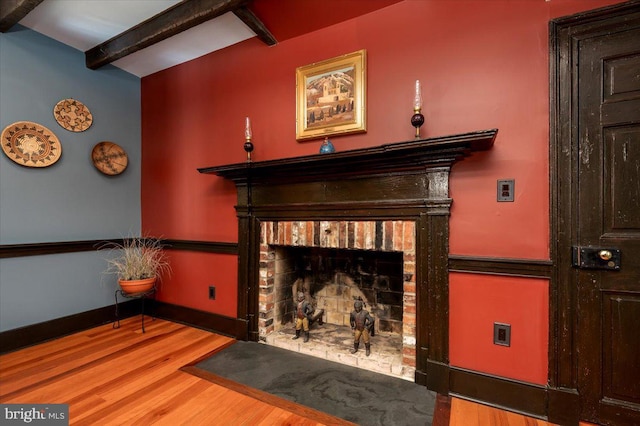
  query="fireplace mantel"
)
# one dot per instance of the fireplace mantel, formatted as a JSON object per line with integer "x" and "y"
{"x": 405, "y": 181}
{"x": 402, "y": 156}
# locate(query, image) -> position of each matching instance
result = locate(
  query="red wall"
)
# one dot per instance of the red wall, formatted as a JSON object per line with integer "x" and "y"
{"x": 191, "y": 275}
{"x": 477, "y": 302}
{"x": 482, "y": 64}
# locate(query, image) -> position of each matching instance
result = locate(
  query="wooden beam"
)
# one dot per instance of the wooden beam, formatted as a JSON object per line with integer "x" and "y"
{"x": 12, "y": 11}
{"x": 180, "y": 17}
{"x": 252, "y": 21}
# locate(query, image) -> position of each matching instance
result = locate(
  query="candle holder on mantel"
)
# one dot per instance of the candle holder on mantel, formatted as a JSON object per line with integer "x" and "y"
{"x": 248, "y": 146}
{"x": 417, "y": 119}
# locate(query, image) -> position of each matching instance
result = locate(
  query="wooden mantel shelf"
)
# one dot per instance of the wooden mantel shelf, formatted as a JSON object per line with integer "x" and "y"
{"x": 418, "y": 154}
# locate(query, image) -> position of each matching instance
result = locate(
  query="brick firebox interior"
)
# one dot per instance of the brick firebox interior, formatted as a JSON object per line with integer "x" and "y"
{"x": 363, "y": 255}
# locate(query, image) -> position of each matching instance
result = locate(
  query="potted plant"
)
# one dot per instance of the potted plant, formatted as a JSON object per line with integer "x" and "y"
{"x": 139, "y": 263}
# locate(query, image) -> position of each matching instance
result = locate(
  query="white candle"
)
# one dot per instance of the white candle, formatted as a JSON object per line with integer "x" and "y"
{"x": 417, "y": 100}
{"x": 247, "y": 129}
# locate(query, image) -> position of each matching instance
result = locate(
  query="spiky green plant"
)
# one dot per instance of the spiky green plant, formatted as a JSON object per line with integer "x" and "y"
{"x": 138, "y": 258}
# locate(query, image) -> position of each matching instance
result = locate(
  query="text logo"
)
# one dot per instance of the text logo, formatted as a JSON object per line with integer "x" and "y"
{"x": 36, "y": 414}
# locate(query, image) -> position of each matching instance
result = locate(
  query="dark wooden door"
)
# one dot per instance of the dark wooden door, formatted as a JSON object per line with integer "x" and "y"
{"x": 607, "y": 224}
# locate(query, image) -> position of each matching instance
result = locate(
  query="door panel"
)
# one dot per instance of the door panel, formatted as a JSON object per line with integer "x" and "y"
{"x": 607, "y": 171}
{"x": 621, "y": 80}
{"x": 622, "y": 177}
{"x": 621, "y": 364}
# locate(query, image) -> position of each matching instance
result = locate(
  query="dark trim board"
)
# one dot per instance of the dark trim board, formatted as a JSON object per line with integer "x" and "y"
{"x": 228, "y": 326}
{"x": 40, "y": 249}
{"x": 18, "y": 338}
{"x": 563, "y": 406}
{"x": 202, "y": 246}
{"x": 506, "y": 394}
{"x": 528, "y": 268}
{"x": 58, "y": 247}
{"x": 435, "y": 378}
{"x": 554, "y": 405}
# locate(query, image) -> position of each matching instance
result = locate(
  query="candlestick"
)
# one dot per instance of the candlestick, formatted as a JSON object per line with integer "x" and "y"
{"x": 417, "y": 119}
{"x": 248, "y": 146}
{"x": 247, "y": 129}
{"x": 417, "y": 99}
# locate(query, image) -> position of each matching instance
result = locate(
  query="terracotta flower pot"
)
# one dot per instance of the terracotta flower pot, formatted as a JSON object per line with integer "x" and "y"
{"x": 137, "y": 286}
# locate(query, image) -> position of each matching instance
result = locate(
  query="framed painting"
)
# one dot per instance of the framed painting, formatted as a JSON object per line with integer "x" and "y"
{"x": 331, "y": 97}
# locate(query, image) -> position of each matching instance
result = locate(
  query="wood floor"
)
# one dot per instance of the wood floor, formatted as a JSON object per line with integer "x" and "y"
{"x": 124, "y": 377}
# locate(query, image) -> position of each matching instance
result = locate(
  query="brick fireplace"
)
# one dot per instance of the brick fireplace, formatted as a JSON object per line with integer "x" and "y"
{"x": 344, "y": 260}
{"x": 364, "y": 199}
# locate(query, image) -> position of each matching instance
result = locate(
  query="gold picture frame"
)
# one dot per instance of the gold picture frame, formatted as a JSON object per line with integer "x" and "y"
{"x": 331, "y": 97}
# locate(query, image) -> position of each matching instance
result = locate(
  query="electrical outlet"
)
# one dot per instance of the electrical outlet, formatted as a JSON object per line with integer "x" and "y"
{"x": 501, "y": 334}
{"x": 212, "y": 292}
{"x": 506, "y": 187}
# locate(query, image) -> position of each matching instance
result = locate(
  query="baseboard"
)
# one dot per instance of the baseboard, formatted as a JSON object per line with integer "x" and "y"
{"x": 437, "y": 377}
{"x": 420, "y": 377}
{"x": 512, "y": 395}
{"x": 227, "y": 326}
{"x": 564, "y": 406}
{"x": 18, "y": 338}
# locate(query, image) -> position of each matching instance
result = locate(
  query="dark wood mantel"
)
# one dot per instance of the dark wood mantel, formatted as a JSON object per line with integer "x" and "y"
{"x": 400, "y": 181}
{"x": 405, "y": 156}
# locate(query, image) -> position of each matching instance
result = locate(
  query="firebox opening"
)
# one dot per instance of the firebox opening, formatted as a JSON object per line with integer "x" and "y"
{"x": 333, "y": 263}
{"x": 332, "y": 279}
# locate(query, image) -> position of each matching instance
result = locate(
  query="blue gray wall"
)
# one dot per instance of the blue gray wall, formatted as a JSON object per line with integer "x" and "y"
{"x": 70, "y": 200}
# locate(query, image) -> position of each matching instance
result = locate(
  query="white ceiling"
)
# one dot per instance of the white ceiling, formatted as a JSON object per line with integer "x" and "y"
{"x": 84, "y": 24}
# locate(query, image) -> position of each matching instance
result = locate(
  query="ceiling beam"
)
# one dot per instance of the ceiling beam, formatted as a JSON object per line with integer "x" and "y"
{"x": 180, "y": 17}
{"x": 256, "y": 25}
{"x": 12, "y": 11}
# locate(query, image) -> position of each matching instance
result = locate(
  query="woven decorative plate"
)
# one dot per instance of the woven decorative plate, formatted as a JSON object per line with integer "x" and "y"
{"x": 30, "y": 144}
{"x": 73, "y": 115}
{"x": 109, "y": 158}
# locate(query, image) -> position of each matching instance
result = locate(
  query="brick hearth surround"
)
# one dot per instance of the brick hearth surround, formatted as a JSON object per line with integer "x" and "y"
{"x": 386, "y": 235}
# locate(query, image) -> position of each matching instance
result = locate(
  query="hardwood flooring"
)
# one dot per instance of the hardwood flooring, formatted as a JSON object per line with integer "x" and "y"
{"x": 124, "y": 377}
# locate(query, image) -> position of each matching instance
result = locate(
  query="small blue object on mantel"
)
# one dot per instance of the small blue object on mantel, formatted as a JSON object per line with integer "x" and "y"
{"x": 327, "y": 147}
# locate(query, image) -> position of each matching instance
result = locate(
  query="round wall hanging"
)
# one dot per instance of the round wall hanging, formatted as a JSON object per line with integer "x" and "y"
{"x": 109, "y": 158}
{"x": 73, "y": 115}
{"x": 30, "y": 144}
